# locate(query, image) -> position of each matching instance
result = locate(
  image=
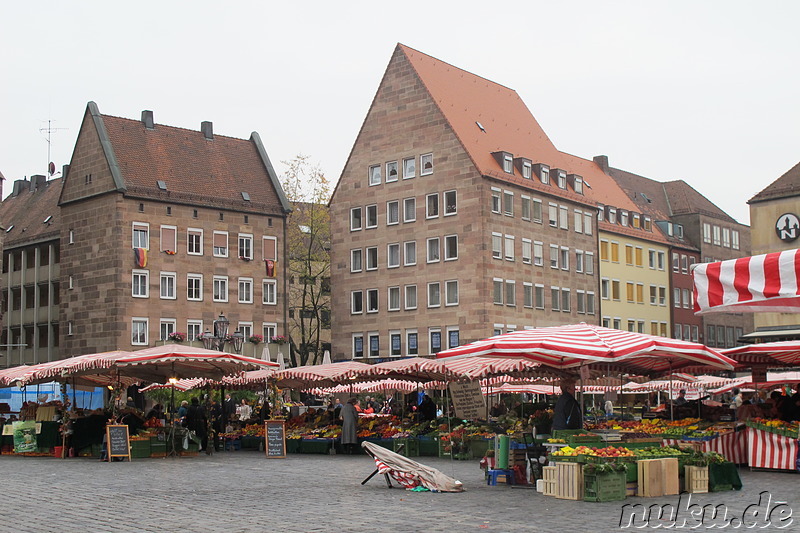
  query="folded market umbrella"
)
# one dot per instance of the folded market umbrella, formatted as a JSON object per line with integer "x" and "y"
{"x": 160, "y": 363}
{"x": 573, "y": 346}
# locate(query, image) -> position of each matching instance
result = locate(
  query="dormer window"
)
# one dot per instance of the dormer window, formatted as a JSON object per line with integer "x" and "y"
{"x": 562, "y": 179}
{"x": 524, "y": 166}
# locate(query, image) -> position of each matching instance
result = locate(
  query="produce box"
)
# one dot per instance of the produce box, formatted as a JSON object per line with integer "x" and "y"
{"x": 569, "y": 481}
{"x": 603, "y": 487}
{"x": 411, "y": 448}
{"x": 696, "y": 479}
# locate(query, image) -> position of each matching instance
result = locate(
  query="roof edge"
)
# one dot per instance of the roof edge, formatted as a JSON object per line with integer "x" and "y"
{"x": 273, "y": 176}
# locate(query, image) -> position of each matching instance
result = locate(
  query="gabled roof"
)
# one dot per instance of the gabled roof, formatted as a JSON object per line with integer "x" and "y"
{"x": 786, "y": 186}
{"x": 190, "y": 165}
{"x": 508, "y": 125}
{"x": 27, "y": 212}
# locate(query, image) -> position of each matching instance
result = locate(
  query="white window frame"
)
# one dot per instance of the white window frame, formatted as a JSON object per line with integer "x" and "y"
{"x": 171, "y": 295}
{"x": 139, "y": 274}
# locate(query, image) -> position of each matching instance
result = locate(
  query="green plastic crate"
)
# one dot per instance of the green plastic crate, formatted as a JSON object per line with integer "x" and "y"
{"x": 605, "y": 487}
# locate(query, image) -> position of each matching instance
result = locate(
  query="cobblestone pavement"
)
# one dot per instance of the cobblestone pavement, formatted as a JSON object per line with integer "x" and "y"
{"x": 244, "y": 491}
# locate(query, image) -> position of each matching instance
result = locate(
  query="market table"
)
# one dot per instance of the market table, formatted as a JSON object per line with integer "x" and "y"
{"x": 770, "y": 450}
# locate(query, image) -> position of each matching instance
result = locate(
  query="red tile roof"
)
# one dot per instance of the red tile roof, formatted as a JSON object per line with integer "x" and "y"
{"x": 786, "y": 186}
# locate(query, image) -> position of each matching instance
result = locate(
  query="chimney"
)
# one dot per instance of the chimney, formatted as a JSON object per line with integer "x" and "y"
{"x": 602, "y": 162}
{"x": 208, "y": 129}
{"x": 147, "y": 120}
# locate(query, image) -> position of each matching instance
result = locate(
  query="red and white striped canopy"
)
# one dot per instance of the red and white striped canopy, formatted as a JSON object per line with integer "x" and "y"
{"x": 573, "y": 346}
{"x": 767, "y": 282}
{"x": 160, "y": 363}
{"x": 786, "y": 353}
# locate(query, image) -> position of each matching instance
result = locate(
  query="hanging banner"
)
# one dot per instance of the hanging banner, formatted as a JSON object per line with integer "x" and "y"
{"x": 468, "y": 400}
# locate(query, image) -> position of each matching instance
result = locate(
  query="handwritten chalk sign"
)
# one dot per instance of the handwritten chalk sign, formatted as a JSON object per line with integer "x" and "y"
{"x": 117, "y": 441}
{"x": 468, "y": 400}
{"x": 276, "y": 439}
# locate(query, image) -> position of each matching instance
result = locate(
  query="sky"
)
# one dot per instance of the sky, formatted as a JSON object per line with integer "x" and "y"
{"x": 703, "y": 91}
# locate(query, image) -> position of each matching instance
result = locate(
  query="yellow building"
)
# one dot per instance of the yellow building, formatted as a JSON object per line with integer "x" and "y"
{"x": 634, "y": 283}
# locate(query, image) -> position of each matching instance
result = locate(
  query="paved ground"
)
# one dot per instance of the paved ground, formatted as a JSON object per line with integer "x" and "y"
{"x": 243, "y": 491}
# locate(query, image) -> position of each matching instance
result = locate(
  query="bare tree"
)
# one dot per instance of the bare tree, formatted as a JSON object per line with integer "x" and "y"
{"x": 309, "y": 237}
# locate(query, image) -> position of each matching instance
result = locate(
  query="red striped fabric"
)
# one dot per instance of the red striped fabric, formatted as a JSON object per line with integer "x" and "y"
{"x": 767, "y": 282}
{"x": 770, "y": 450}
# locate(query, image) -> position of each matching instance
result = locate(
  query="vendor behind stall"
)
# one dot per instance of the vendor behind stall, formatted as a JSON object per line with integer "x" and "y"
{"x": 567, "y": 411}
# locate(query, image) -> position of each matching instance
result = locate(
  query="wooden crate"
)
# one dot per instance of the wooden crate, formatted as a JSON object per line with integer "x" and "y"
{"x": 651, "y": 478}
{"x": 696, "y": 478}
{"x": 569, "y": 481}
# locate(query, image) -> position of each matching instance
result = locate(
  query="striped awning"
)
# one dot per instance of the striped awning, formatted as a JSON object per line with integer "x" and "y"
{"x": 766, "y": 283}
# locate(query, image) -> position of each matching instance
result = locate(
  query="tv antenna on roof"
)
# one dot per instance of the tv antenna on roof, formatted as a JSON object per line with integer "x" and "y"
{"x": 49, "y": 130}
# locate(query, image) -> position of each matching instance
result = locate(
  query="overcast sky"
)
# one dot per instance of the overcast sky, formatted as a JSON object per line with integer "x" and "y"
{"x": 701, "y": 91}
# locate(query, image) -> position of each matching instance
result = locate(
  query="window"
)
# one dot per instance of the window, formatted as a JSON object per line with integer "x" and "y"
{"x": 432, "y": 205}
{"x": 141, "y": 282}
{"x": 356, "y": 302}
{"x": 394, "y": 299}
{"x": 495, "y": 200}
{"x": 358, "y": 346}
{"x": 269, "y": 248}
{"x": 220, "y": 244}
{"x": 245, "y": 246}
{"x": 706, "y": 232}
{"x": 555, "y": 298}
{"x": 553, "y": 215}
{"x": 553, "y": 256}
{"x": 372, "y": 258}
{"x": 526, "y": 251}
{"x": 411, "y": 342}
{"x": 355, "y": 260}
{"x": 167, "y": 328}
{"x": 450, "y": 203}
{"x": 355, "y": 219}
{"x": 220, "y": 288}
{"x": 734, "y": 242}
{"x": 168, "y": 285}
{"x": 270, "y": 290}
{"x": 372, "y": 216}
{"x": 450, "y": 247}
{"x": 538, "y": 253}
{"x": 587, "y": 223}
{"x": 141, "y": 235}
{"x": 409, "y": 167}
{"x": 509, "y": 247}
{"x": 536, "y": 214}
{"x": 589, "y": 266}
{"x": 410, "y": 253}
{"x": 451, "y": 292}
{"x": 497, "y": 245}
{"x": 372, "y": 300}
{"x": 139, "y": 331}
{"x": 194, "y": 328}
{"x": 544, "y": 175}
{"x": 527, "y": 294}
{"x": 391, "y": 171}
{"x": 563, "y": 217}
{"x": 511, "y": 293}
{"x": 590, "y": 303}
{"x": 411, "y": 297}
{"x": 194, "y": 241}
{"x": 392, "y": 213}
{"x": 525, "y": 209}
{"x": 508, "y": 203}
{"x": 393, "y": 255}
{"x": 497, "y": 291}
{"x": 579, "y": 261}
{"x": 433, "y": 249}
{"x": 194, "y": 287}
{"x": 538, "y": 296}
{"x": 374, "y": 175}
{"x": 435, "y": 337}
{"x": 426, "y": 164}
{"x": 169, "y": 238}
{"x": 245, "y": 290}
{"x": 564, "y": 258}
{"x": 434, "y": 294}
{"x": 409, "y": 209}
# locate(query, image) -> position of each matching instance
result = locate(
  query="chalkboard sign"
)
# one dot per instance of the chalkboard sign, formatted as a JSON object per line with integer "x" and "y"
{"x": 117, "y": 441}
{"x": 276, "y": 438}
